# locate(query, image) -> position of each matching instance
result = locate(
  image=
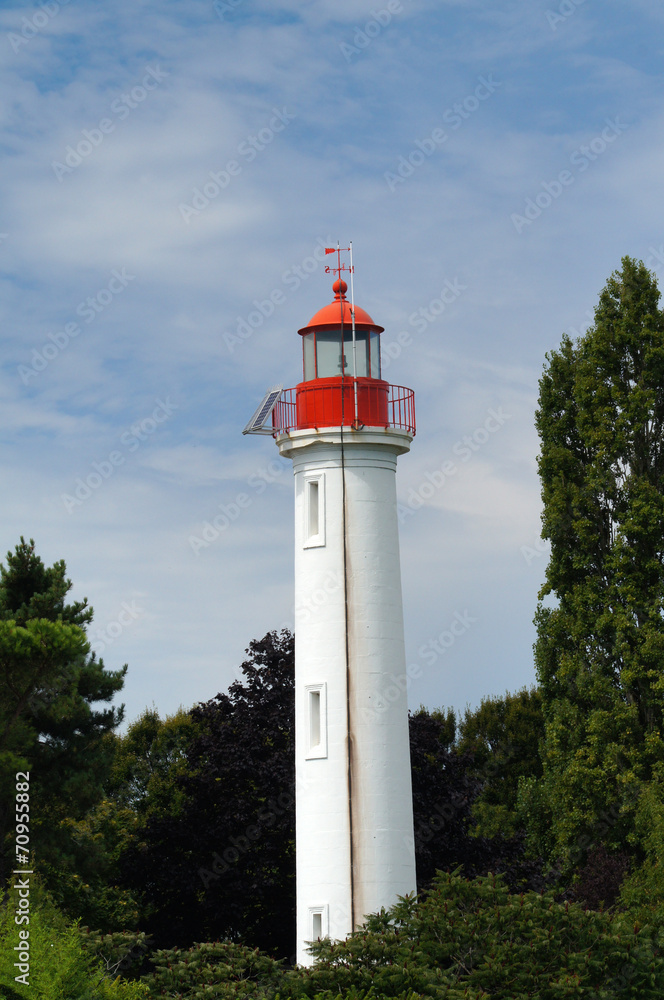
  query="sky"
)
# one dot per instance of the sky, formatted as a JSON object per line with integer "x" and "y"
{"x": 171, "y": 173}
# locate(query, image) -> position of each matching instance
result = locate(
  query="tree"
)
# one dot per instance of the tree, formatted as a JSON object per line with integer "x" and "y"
{"x": 449, "y": 780}
{"x": 50, "y": 682}
{"x": 444, "y": 790}
{"x": 224, "y": 864}
{"x": 213, "y": 853}
{"x": 503, "y": 735}
{"x": 144, "y": 778}
{"x": 149, "y": 759}
{"x": 600, "y": 645}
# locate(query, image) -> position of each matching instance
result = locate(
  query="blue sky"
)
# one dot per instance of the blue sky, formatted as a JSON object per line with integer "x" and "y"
{"x": 508, "y": 152}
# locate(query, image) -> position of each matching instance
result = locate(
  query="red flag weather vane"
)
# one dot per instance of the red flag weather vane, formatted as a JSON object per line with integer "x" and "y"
{"x": 340, "y": 267}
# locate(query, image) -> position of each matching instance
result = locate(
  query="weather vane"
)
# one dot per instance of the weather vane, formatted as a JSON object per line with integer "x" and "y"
{"x": 340, "y": 267}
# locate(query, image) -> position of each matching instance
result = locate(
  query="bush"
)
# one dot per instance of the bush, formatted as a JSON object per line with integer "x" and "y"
{"x": 473, "y": 939}
{"x": 465, "y": 940}
{"x": 120, "y": 952}
{"x": 60, "y": 967}
{"x": 218, "y": 969}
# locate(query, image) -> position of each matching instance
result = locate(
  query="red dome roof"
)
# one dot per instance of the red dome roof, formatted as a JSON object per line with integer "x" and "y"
{"x": 332, "y": 315}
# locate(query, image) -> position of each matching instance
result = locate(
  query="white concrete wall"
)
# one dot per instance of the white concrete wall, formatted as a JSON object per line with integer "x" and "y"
{"x": 382, "y": 821}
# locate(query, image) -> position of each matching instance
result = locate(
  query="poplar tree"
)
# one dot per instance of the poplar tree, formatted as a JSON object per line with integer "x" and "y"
{"x": 600, "y": 646}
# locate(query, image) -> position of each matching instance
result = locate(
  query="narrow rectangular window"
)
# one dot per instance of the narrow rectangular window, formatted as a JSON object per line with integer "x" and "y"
{"x": 315, "y": 723}
{"x": 318, "y": 922}
{"x": 314, "y": 719}
{"x": 309, "y": 351}
{"x": 375, "y": 354}
{"x": 314, "y": 511}
{"x": 313, "y": 507}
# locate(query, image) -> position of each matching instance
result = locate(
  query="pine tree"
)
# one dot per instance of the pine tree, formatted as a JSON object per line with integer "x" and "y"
{"x": 49, "y": 683}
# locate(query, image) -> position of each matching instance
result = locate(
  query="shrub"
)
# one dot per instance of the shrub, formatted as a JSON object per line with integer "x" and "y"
{"x": 217, "y": 969}
{"x": 473, "y": 938}
{"x": 60, "y": 967}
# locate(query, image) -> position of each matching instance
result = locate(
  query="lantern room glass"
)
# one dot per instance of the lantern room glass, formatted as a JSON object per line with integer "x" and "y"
{"x": 323, "y": 356}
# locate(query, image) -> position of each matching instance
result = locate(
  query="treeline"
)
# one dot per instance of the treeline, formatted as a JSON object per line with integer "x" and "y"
{"x": 184, "y": 827}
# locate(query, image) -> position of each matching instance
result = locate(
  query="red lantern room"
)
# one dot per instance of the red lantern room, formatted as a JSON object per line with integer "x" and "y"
{"x": 341, "y": 361}
{"x": 341, "y": 384}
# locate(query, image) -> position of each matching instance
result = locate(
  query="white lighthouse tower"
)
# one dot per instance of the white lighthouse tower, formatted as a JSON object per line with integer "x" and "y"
{"x": 344, "y": 427}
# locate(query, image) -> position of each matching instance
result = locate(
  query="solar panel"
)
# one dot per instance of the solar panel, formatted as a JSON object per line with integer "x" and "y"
{"x": 257, "y": 423}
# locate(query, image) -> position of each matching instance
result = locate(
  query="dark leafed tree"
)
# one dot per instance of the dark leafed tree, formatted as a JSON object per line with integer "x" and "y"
{"x": 50, "y": 684}
{"x": 443, "y": 794}
{"x": 449, "y": 780}
{"x": 600, "y": 645}
{"x": 224, "y": 865}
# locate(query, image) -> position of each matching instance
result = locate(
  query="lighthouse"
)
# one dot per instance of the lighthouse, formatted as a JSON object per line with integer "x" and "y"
{"x": 343, "y": 426}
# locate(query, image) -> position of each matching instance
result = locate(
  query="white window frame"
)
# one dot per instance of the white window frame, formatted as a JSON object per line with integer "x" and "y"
{"x": 314, "y": 539}
{"x": 315, "y": 751}
{"x": 322, "y": 912}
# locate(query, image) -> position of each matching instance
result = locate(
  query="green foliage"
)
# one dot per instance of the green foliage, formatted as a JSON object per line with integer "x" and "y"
{"x": 35, "y": 661}
{"x": 600, "y": 649}
{"x": 465, "y": 940}
{"x": 49, "y": 683}
{"x": 473, "y": 939}
{"x": 370, "y": 994}
{"x": 218, "y": 969}
{"x": 149, "y": 761}
{"x": 503, "y": 735}
{"x": 60, "y": 967}
{"x": 120, "y": 952}
{"x": 85, "y": 881}
{"x": 144, "y": 777}
{"x": 643, "y": 892}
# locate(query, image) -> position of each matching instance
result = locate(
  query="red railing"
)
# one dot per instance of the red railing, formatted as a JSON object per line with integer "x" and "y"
{"x": 401, "y": 404}
{"x": 400, "y": 408}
